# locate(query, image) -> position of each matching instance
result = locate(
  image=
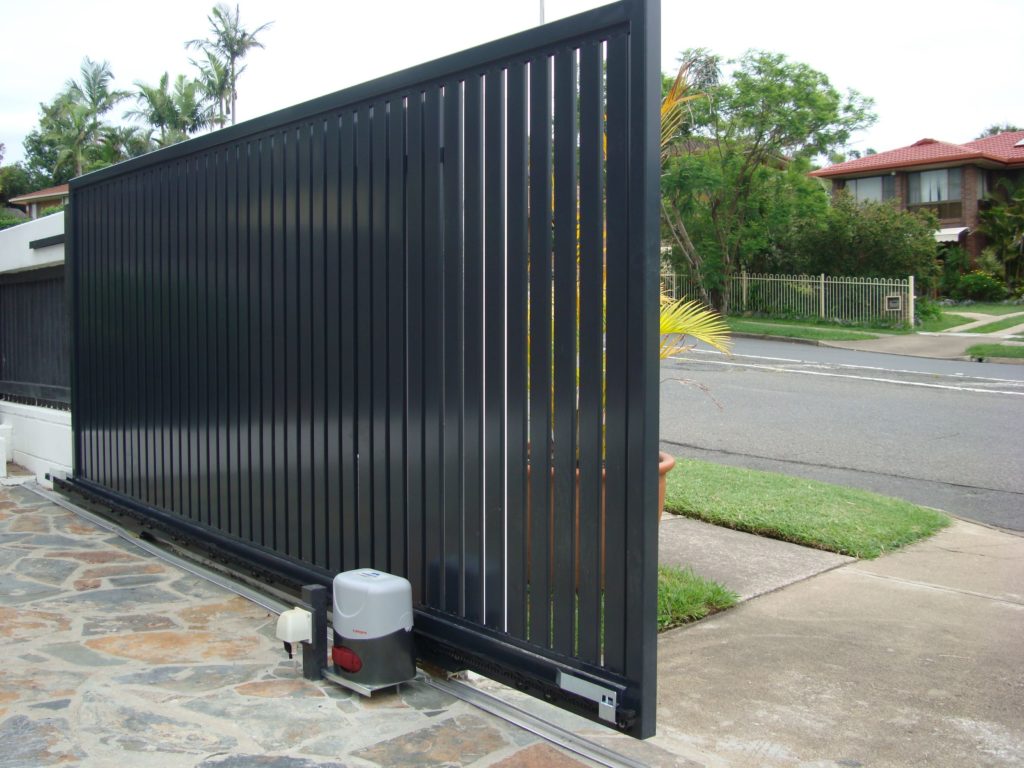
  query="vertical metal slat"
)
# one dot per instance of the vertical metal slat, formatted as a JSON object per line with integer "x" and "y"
{"x": 616, "y": 258}
{"x": 494, "y": 326}
{"x": 564, "y": 350}
{"x": 540, "y": 351}
{"x": 453, "y": 392}
{"x": 591, "y": 496}
{"x": 473, "y": 371}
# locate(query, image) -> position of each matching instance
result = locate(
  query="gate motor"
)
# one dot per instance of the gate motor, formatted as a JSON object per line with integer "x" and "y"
{"x": 373, "y": 645}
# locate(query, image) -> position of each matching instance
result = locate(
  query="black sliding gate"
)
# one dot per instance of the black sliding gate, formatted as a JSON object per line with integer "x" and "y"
{"x": 405, "y": 326}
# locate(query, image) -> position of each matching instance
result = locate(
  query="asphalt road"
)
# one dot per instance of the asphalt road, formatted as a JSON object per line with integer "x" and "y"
{"x": 940, "y": 433}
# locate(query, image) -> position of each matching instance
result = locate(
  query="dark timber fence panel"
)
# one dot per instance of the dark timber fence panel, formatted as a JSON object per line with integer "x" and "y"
{"x": 34, "y": 354}
{"x": 411, "y": 326}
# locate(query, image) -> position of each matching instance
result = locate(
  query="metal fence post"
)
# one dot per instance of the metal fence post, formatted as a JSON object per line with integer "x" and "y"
{"x": 745, "y": 284}
{"x": 910, "y": 301}
{"x": 821, "y": 284}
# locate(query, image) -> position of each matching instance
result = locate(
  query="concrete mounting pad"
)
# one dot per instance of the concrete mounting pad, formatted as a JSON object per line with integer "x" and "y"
{"x": 913, "y": 659}
{"x": 748, "y": 565}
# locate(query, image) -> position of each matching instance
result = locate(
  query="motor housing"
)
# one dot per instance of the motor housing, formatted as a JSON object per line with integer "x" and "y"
{"x": 373, "y": 643}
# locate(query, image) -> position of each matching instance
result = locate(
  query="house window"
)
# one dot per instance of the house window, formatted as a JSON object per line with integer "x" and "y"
{"x": 873, "y": 189}
{"x": 939, "y": 186}
{"x": 938, "y": 190}
{"x": 982, "y": 182}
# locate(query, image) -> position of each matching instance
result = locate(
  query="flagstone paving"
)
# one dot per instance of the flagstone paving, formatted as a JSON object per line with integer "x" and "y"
{"x": 113, "y": 657}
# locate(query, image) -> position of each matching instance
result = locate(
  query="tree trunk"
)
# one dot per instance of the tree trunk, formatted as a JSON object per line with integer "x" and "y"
{"x": 677, "y": 228}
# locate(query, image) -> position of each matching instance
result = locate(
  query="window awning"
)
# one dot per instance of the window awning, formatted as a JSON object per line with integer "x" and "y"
{"x": 949, "y": 234}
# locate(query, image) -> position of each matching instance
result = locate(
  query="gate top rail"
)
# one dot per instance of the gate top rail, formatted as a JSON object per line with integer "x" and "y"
{"x": 559, "y": 33}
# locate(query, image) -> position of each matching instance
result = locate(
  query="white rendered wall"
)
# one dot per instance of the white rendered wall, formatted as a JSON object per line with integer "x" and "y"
{"x": 15, "y": 255}
{"x": 41, "y": 437}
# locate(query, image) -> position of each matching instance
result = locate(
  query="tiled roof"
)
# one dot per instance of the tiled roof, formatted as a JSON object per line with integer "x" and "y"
{"x": 999, "y": 149}
{"x": 1009, "y": 145}
{"x": 60, "y": 190}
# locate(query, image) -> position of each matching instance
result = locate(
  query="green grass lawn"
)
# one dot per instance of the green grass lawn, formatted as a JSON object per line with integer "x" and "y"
{"x": 683, "y": 596}
{"x": 946, "y": 321}
{"x": 986, "y": 308}
{"x": 998, "y": 325}
{"x": 796, "y": 330}
{"x": 996, "y": 350}
{"x": 830, "y": 517}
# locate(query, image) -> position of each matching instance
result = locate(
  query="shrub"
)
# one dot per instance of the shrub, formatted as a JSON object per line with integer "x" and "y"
{"x": 6, "y": 220}
{"x": 954, "y": 261}
{"x": 51, "y": 209}
{"x": 979, "y": 286}
{"x": 926, "y": 309}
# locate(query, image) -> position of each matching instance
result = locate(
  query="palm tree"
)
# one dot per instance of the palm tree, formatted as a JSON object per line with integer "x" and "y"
{"x": 71, "y": 128}
{"x": 230, "y": 43}
{"x": 73, "y": 123}
{"x": 93, "y": 89}
{"x": 213, "y": 79}
{"x": 174, "y": 113}
{"x": 119, "y": 143}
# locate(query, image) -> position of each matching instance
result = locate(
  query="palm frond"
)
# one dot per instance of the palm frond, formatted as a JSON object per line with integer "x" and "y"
{"x": 685, "y": 318}
{"x": 672, "y": 106}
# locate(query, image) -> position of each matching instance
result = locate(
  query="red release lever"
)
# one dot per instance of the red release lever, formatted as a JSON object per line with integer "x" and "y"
{"x": 346, "y": 658}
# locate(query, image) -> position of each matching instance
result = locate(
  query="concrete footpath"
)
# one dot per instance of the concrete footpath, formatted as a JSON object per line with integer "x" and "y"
{"x": 115, "y": 657}
{"x": 942, "y": 346}
{"x": 914, "y": 659}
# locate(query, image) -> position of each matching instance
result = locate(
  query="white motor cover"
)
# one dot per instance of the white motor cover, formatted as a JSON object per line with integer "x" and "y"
{"x": 370, "y": 604}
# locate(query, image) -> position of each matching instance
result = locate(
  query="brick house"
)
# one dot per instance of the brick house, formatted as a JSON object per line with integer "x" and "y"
{"x": 34, "y": 203}
{"x": 951, "y": 179}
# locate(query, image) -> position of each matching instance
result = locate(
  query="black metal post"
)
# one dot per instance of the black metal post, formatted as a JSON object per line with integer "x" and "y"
{"x": 314, "y": 654}
{"x": 642, "y": 377}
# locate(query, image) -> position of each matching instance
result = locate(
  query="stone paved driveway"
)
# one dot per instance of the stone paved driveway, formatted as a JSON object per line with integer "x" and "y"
{"x": 114, "y": 658}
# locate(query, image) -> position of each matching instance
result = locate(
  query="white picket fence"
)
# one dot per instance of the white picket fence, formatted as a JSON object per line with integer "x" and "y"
{"x": 855, "y": 300}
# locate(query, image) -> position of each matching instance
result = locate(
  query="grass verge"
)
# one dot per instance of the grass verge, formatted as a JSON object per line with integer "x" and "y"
{"x": 996, "y": 350}
{"x": 820, "y": 515}
{"x": 998, "y": 325}
{"x": 683, "y": 596}
{"x": 936, "y": 324}
{"x": 793, "y": 330}
{"x": 985, "y": 308}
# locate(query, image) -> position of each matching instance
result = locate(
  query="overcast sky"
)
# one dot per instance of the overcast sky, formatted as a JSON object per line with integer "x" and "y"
{"x": 940, "y": 69}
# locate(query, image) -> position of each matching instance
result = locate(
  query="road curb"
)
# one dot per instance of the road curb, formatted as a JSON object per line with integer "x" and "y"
{"x": 767, "y": 337}
{"x": 1001, "y": 360}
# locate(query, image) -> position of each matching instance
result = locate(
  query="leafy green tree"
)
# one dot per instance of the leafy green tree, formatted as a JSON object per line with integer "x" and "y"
{"x": 996, "y": 128}
{"x": 866, "y": 240}
{"x": 41, "y": 153}
{"x": 230, "y": 42}
{"x": 1002, "y": 224}
{"x": 771, "y": 114}
{"x": 14, "y": 181}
